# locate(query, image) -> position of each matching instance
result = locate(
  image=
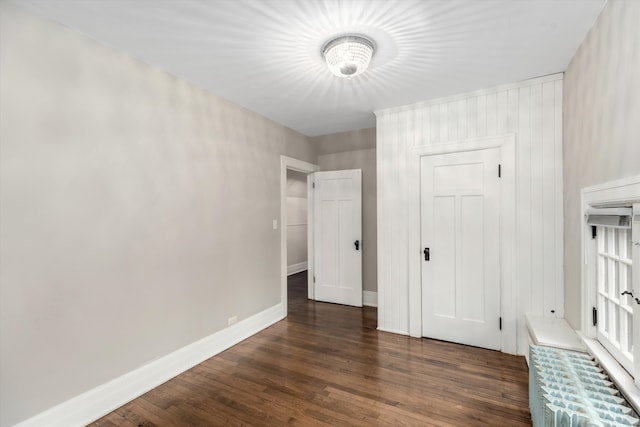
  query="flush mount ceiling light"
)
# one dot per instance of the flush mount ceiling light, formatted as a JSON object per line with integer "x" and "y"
{"x": 348, "y": 56}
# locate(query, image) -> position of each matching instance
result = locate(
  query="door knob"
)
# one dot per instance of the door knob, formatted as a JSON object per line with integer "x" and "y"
{"x": 357, "y": 243}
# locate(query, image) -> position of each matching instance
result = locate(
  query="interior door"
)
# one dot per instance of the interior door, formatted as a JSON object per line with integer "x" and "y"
{"x": 460, "y": 226}
{"x": 337, "y": 236}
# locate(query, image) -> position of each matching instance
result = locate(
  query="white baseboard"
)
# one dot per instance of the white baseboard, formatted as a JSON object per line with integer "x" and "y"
{"x": 369, "y": 298}
{"x": 95, "y": 403}
{"x": 296, "y": 268}
{"x": 393, "y": 331}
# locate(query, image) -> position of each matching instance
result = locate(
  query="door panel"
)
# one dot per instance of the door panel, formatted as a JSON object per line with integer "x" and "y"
{"x": 460, "y": 219}
{"x": 337, "y": 225}
{"x": 445, "y": 294}
{"x": 471, "y": 227}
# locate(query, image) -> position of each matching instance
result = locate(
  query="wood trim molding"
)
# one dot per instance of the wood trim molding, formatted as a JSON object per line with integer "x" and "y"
{"x": 393, "y": 331}
{"x": 299, "y": 166}
{"x": 296, "y": 268}
{"x": 370, "y": 298}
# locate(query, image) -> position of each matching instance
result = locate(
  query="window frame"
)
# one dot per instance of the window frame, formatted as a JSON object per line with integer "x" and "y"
{"x": 624, "y": 303}
{"x": 622, "y": 192}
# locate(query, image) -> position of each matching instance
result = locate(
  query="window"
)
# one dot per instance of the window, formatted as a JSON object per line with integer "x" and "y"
{"x": 614, "y": 292}
{"x": 611, "y": 274}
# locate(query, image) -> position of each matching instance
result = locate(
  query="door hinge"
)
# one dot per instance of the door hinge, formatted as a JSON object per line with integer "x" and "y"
{"x": 314, "y": 279}
{"x": 594, "y": 314}
{"x": 594, "y": 231}
{"x": 500, "y": 323}
{"x": 313, "y": 185}
{"x": 499, "y": 170}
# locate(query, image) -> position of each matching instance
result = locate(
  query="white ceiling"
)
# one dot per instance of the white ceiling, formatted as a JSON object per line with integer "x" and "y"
{"x": 265, "y": 54}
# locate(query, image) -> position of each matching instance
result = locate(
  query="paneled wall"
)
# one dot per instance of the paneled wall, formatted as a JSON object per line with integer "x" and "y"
{"x": 533, "y": 111}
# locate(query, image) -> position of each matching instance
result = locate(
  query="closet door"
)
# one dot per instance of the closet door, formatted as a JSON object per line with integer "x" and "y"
{"x": 460, "y": 232}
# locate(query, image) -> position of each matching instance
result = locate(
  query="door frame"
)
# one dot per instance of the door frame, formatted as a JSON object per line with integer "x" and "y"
{"x": 289, "y": 163}
{"x": 506, "y": 143}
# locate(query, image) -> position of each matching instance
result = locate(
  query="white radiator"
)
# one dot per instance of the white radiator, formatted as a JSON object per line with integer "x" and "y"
{"x": 567, "y": 388}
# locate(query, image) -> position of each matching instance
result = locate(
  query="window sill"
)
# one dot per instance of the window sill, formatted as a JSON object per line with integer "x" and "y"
{"x": 553, "y": 332}
{"x": 616, "y": 372}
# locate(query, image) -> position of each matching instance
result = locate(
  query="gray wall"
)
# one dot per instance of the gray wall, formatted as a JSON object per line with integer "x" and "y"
{"x": 296, "y": 217}
{"x": 131, "y": 207}
{"x": 362, "y": 139}
{"x": 601, "y": 123}
{"x": 356, "y": 150}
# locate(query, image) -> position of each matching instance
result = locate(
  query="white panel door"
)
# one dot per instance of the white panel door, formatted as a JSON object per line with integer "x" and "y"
{"x": 337, "y": 233}
{"x": 460, "y": 220}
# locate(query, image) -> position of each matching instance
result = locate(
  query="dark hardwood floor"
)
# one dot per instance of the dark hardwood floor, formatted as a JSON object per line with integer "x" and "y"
{"x": 326, "y": 364}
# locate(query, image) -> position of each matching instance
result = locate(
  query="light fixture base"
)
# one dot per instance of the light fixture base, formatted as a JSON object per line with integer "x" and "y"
{"x": 348, "y": 55}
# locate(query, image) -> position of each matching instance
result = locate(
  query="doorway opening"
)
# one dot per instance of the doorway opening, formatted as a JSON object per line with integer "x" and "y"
{"x": 295, "y": 245}
{"x": 297, "y": 232}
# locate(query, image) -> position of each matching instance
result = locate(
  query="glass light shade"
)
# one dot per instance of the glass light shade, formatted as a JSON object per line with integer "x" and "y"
{"x": 348, "y": 56}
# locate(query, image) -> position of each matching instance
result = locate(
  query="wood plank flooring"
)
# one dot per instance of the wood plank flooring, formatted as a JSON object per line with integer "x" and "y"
{"x": 326, "y": 364}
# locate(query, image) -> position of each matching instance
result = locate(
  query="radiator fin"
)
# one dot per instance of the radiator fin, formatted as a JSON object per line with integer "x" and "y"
{"x": 567, "y": 388}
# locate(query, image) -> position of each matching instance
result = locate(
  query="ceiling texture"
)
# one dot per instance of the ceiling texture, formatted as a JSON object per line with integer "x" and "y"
{"x": 266, "y": 54}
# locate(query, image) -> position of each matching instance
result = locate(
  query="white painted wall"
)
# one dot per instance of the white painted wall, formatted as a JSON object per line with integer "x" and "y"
{"x": 601, "y": 123}
{"x": 533, "y": 111}
{"x": 296, "y": 221}
{"x": 135, "y": 213}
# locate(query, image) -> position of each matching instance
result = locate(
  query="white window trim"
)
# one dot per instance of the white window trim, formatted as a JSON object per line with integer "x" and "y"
{"x": 612, "y": 193}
